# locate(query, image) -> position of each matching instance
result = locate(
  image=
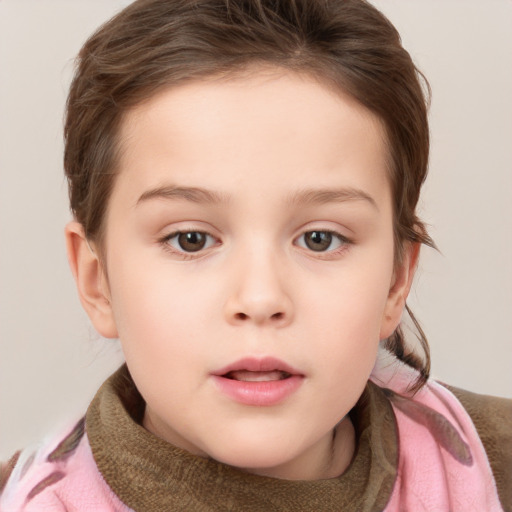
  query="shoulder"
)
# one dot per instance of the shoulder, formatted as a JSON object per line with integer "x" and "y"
{"x": 57, "y": 474}
{"x": 492, "y": 417}
{"x": 30, "y": 473}
{"x": 7, "y": 468}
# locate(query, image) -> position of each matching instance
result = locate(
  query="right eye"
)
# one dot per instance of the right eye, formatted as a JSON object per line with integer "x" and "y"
{"x": 189, "y": 241}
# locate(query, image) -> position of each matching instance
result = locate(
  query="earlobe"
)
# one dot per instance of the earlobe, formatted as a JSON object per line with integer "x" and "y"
{"x": 399, "y": 290}
{"x": 90, "y": 280}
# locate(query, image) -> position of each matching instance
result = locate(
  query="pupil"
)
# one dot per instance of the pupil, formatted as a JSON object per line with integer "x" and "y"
{"x": 192, "y": 241}
{"x": 318, "y": 240}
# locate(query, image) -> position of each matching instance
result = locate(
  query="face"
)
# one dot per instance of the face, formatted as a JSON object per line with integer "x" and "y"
{"x": 249, "y": 254}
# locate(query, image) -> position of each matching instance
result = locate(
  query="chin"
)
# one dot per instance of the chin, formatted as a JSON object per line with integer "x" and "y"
{"x": 259, "y": 464}
{"x": 257, "y": 455}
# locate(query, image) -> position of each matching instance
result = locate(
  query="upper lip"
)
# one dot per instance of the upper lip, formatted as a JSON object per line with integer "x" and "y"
{"x": 254, "y": 364}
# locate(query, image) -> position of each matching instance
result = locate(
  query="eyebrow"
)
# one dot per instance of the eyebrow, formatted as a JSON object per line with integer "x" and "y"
{"x": 323, "y": 196}
{"x": 301, "y": 197}
{"x": 193, "y": 194}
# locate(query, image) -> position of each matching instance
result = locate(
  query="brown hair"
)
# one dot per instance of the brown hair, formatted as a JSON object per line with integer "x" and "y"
{"x": 153, "y": 44}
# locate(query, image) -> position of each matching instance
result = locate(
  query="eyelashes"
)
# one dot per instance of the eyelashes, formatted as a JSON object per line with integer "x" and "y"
{"x": 189, "y": 244}
{"x": 189, "y": 241}
{"x": 322, "y": 240}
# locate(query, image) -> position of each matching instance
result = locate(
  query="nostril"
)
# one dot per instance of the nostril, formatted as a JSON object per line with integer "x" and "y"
{"x": 277, "y": 316}
{"x": 241, "y": 316}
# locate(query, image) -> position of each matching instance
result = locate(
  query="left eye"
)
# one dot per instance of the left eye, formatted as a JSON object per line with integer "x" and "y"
{"x": 190, "y": 241}
{"x": 321, "y": 241}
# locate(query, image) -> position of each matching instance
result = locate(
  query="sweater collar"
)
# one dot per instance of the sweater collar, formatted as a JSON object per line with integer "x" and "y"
{"x": 148, "y": 474}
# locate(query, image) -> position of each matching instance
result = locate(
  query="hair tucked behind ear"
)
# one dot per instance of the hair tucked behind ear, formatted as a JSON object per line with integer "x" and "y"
{"x": 396, "y": 343}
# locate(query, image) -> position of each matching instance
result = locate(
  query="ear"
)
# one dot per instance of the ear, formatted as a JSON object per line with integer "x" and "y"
{"x": 399, "y": 291}
{"x": 91, "y": 280}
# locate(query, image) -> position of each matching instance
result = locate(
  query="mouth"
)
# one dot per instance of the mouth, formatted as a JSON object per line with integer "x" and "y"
{"x": 258, "y": 382}
{"x": 249, "y": 376}
{"x": 258, "y": 370}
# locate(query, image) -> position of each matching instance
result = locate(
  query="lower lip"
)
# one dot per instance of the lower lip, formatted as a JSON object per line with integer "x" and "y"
{"x": 262, "y": 394}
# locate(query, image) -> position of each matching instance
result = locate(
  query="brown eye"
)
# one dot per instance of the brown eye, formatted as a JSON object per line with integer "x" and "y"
{"x": 318, "y": 240}
{"x": 322, "y": 241}
{"x": 192, "y": 241}
{"x": 189, "y": 241}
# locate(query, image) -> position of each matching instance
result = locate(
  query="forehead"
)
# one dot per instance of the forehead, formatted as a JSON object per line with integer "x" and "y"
{"x": 270, "y": 125}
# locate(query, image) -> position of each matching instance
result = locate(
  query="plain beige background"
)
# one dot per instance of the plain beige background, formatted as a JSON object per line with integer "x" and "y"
{"x": 51, "y": 362}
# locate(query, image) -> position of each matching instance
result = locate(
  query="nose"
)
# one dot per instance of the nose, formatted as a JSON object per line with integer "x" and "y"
{"x": 259, "y": 292}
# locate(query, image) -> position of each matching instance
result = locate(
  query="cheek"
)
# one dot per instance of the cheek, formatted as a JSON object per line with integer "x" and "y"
{"x": 354, "y": 298}
{"x": 158, "y": 333}
{"x": 164, "y": 317}
{"x": 348, "y": 338}
{"x": 153, "y": 311}
{"x": 348, "y": 314}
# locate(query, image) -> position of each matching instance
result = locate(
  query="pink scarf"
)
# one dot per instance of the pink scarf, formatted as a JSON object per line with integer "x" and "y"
{"x": 442, "y": 462}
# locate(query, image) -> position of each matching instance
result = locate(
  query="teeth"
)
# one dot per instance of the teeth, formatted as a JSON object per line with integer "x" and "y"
{"x": 247, "y": 376}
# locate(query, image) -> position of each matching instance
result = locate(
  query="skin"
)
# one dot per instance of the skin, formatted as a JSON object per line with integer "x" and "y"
{"x": 262, "y": 146}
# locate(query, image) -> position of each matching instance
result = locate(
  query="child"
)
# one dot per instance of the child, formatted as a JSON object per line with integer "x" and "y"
{"x": 244, "y": 177}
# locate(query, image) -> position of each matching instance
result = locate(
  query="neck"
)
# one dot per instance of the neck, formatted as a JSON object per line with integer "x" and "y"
{"x": 329, "y": 458}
